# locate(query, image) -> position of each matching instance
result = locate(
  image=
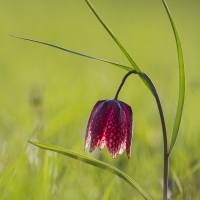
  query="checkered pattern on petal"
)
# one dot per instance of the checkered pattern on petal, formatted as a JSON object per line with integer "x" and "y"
{"x": 110, "y": 124}
{"x": 98, "y": 125}
{"x": 128, "y": 126}
{"x": 96, "y": 108}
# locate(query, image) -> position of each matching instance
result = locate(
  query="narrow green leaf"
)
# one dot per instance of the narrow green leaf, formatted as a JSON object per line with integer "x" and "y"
{"x": 81, "y": 54}
{"x": 132, "y": 62}
{"x": 95, "y": 163}
{"x": 114, "y": 37}
{"x": 75, "y": 52}
{"x": 181, "y": 82}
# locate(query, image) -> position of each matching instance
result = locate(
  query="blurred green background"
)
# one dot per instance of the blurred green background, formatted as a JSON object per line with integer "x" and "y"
{"x": 47, "y": 95}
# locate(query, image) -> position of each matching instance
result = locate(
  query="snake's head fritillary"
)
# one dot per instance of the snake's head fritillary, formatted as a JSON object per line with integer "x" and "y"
{"x": 110, "y": 124}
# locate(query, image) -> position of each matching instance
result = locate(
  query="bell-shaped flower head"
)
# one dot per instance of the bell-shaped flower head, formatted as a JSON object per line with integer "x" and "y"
{"x": 110, "y": 124}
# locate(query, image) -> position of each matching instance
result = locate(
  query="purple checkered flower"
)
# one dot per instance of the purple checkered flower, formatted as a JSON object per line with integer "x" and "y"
{"x": 110, "y": 124}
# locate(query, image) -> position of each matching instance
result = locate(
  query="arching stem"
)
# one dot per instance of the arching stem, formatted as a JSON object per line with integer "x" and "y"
{"x": 123, "y": 81}
{"x": 164, "y": 130}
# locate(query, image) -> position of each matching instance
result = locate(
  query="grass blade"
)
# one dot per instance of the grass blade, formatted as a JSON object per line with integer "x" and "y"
{"x": 181, "y": 82}
{"x": 95, "y": 163}
{"x": 114, "y": 37}
{"x": 74, "y": 52}
{"x": 132, "y": 62}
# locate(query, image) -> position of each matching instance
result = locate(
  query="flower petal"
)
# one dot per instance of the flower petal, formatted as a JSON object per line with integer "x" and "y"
{"x": 128, "y": 126}
{"x": 115, "y": 132}
{"x": 110, "y": 124}
{"x": 91, "y": 119}
{"x": 99, "y": 125}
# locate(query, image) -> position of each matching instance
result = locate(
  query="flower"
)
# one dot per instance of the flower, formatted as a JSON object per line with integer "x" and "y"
{"x": 110, "y": 124}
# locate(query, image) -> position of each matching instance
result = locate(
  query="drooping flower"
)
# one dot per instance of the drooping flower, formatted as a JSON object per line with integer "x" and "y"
{"x": 110, "y": 124}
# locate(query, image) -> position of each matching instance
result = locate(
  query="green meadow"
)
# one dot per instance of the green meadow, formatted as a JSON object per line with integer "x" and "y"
{"x": 47, "y": 95}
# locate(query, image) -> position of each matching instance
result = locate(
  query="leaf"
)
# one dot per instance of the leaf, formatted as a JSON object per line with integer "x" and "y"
{"x": 74, "y": 52}
{"x": 132, "y": 62}
{"x": 95, "y": 163}
{"x": 179, "y": 111}
{"x": 114, "y": 37}
{"x": 84, "y": 55}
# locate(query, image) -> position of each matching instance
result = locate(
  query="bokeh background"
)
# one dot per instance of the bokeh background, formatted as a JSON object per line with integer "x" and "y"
{"x": 47, "y": 95}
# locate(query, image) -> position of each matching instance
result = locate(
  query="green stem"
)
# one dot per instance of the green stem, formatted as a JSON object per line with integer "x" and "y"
{"x": 164, "y": 130}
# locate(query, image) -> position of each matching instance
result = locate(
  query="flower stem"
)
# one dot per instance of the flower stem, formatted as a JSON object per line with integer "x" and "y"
{"x": 123, "y": 81}
{"x": 165, "y": 141}
{"x": 164, "y": 130}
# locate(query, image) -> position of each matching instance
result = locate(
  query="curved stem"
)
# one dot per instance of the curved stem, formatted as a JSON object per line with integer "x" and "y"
{"x": 164, "y": 130}
{"x": 123, "y": 81}
{"x": 165, "y": 141}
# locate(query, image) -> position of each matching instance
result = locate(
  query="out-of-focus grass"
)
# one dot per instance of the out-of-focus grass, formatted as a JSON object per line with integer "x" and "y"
{"x": 47, "y": 95}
